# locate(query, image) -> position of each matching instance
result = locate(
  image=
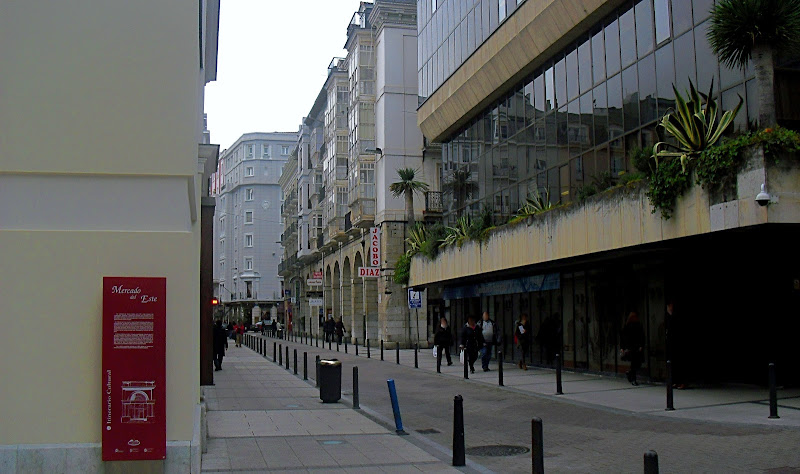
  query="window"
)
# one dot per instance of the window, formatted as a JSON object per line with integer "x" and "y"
{"x": 248, "y": 289}
{"x": 248, "y": 194}
{"x": 248, "y": 217}
{"x": 502, "y": 9}
{"x": 248, "y": 240}
{"x": 662, "y": 21}
{"x": 249, "y": 171}
{"x": 284, "y": 150}
{"x": 248, "y": 263}
{"x": 264, "y": 151}
{"x": 249, "y": 149}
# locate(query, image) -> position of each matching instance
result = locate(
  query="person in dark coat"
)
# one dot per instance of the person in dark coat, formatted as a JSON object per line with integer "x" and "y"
{"x": 328, "y": 328}
{"x": 471, "y": 341}
{"x": 220, "y": 338}
{"x": 274, "y": 328}
{"x": 338, "y": 328}
{"x": 632, "y": 344}
{"x": 677, "y": 335}
{"x": 522, "y": 337}
{"x": 443, "y": 339}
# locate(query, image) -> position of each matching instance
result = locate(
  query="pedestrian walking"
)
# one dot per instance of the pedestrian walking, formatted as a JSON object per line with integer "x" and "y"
{"x": 231, "y": 330}
{"x": 522, "y": 337}
{"x": 339, "y": 330}
{"x": 329, "y": 328}
{"x": 239, "y": 334}
{"x": 274, "y": 328}
{"x": 632, "y": 345}
{"x": 443, "y": 339}
{"x": 489, "y": 332}
{"x": 471, "y": 342}
{"x": 220, "y": 337}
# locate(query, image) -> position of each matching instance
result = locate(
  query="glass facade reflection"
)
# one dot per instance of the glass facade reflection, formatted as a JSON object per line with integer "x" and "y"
{"x": 450, "y": 31}
{"x": 579, "y": 115}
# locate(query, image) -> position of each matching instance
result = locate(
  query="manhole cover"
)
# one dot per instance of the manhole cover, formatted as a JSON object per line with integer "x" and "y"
{"x": 497, "y": 450}
{"x": 428, "y": 431}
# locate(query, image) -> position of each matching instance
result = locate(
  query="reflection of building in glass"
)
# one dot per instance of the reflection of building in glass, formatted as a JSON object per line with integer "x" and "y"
{"x": 138, "y": 405}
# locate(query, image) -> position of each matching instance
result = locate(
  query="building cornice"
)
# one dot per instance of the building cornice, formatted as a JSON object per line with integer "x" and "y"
{"x": 389, "y": 14}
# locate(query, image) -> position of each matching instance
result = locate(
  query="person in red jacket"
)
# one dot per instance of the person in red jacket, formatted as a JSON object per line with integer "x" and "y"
{"x": 239, "y": 329}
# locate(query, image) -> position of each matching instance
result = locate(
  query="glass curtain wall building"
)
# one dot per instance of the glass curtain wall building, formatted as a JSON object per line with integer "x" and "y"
{"x": 576, "y": 118}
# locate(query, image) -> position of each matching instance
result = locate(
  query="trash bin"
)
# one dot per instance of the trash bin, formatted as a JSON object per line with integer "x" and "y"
{"x": 330, "y": 380}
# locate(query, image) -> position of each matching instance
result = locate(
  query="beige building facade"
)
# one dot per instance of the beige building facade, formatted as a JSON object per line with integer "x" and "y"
{"x": 103, "y": 169}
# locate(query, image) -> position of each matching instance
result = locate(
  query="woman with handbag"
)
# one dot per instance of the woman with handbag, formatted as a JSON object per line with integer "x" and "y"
{"x": 632, "y": 345}
{"x": 442, "y": 340}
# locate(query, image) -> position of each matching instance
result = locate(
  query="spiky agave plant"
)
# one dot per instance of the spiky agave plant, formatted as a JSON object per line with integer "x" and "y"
{"x": 693, "y": 124}
{"x": 535, "y": 203}
{"x": 457, "y": 234}
{"x": 416, "y": 237}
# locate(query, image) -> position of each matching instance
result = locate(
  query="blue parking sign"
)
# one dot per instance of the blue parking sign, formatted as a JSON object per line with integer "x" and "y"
{"x": 414, "y": 299}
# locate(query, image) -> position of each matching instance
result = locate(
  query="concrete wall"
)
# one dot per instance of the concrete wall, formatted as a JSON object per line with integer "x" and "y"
{"x": 98, "y": 139}
{"x": 617, "y": 220}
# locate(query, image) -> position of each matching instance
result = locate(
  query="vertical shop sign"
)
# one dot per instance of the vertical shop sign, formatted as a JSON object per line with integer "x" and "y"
{"x": 134, "y": 368}
{"x": 375, "y": 247}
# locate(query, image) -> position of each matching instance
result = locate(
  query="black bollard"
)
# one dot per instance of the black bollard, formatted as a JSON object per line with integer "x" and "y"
{"x": 537, "y": 446}
{"x": 459, "y": 452}
{"x": 670, "y": 405}
{"x": 356, "y": 405}
{"x": 500, "y": 368}
{"x": 305, "y": 365}
{"x": 368, "y": 353}
{"x": 397, "y": 352}
{"x": 416, "y": 362}
{"x": 651, "y": 462}
{"x": 773, "y": 392}
{"x": 295, "y": 361}
{"x": 274, "y": 352}
{"x": 316, "y": 378}
{"x": 559, "y": 391}
{"x": 439, "y": 351}
{"x": 280, "y": 355}
{"x": 316, "y": 341}
{"x": 356, "y": 344}
{"x": 287, "y": 357}
{"x": 466, "y": 365}
{"x": 345, "y": 345}
{"x": 381, "y": 349}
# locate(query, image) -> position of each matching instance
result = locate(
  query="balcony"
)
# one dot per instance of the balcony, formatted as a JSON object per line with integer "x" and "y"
{"x": 433, "y": 204}
{"x": 286, "y": 267}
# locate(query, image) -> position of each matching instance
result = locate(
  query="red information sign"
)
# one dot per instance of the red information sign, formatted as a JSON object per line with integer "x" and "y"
{"x": 134, "y": 368}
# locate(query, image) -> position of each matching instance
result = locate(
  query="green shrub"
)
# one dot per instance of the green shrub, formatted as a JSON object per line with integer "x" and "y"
{"x": 585, "y": 191}
{"x": 402, "y": 269}
{"x": 642, "y": 159}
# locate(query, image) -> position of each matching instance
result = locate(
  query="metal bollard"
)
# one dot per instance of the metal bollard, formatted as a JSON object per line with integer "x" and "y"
{"x": 381, "y": 349}
{"x": 280, "y": 355}
{"x": 345, "y": 345}
{"x": 368, "y": 354}
{"x": 305, "y": 365}
{"x": 398, "y": 421}
{"x": 500, "y": 368}
{"x": 274, "y": 352}
{"x": 316, "y": 378}
{"x": 559, "y": 391}
{"x": 537, "y": 447}
{"x": 439, "y": 350}
{"x": 397, "y": 352}
{"x": 416, "y": 350}
{"x": 316, "y": 341}
{"x": 295, "y": 361}
{"x": 670, "y": 404}
{"x": 651, "y": 462}
{"x": 773, "y": 393}
{"x": 287, "y": 357}
{"x": 356, "y": 405}
{"x": 356, "y": 344}
{"x": 466, "y": 365}
{"x": 459, "y": 452}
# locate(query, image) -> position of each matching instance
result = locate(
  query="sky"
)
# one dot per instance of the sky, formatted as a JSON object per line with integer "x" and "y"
{"x": 272, "y": 61}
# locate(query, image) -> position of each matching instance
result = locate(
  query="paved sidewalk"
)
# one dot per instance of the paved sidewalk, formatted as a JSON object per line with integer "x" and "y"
{"x": 747, "y": 404}
{"x": 263, "y": 418}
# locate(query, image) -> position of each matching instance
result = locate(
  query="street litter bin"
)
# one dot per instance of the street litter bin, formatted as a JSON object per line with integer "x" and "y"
{"x": 330, "y": 380}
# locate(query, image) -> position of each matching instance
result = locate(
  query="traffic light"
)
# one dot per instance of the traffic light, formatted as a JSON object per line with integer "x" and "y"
{"x": 214, "y": 301}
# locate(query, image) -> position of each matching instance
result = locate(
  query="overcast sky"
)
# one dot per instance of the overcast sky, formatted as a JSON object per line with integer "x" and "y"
{"x": 273, "y": 60}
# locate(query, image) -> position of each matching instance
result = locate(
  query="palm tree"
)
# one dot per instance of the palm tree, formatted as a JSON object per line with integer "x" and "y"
{"x": 406, "y": 187}
{"x": 745, "y": 30}
{"x": 462, "y": 187}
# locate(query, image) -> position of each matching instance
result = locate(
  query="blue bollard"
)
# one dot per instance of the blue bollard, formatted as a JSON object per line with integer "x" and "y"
{"x": 398, "y": 421}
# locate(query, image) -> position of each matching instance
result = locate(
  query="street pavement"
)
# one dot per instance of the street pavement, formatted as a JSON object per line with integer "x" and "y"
{"x": 600, "y": 424}
{"x": 263, "y": 418}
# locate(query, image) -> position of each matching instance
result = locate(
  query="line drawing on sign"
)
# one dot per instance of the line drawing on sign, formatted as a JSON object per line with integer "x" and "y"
{"x": 138, "y": 405}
